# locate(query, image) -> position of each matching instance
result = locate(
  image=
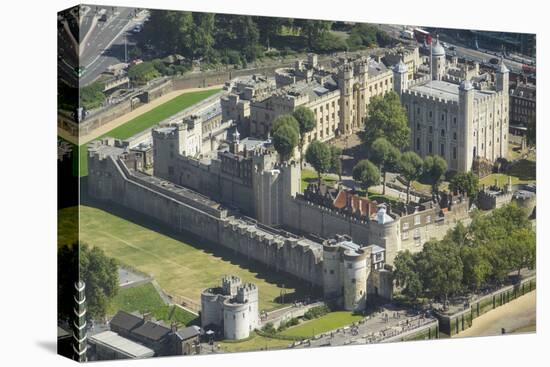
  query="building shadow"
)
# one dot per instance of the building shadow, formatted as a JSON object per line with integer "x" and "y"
{"x": 302, "y": 289}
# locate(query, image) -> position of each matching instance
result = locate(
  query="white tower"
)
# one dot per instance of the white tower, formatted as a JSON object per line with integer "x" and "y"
{"x": 465, "y": 117}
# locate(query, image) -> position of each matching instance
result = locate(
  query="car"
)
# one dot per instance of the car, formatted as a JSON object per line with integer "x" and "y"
{"x": 494, "y": 61}
{"x": 444, "y": 44}
{"x": 452, "y": 48}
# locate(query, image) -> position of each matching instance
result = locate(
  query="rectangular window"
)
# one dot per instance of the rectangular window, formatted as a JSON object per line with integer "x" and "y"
{"x": 428, "y": 219}
{"x": 417, "y": 220}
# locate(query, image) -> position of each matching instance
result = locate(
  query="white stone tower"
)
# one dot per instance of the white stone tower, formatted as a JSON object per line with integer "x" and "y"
{"x": 400, "y": 77}
{"x": 465, "y": 118}
{"x": 502, "y": 86}
{"x": 361, "y": 102}
{"x": 438, "y": 61}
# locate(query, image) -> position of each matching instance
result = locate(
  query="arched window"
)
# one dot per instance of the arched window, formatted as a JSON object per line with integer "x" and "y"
{"x": 454, "y": 136}
{"x": 443, "y": 132}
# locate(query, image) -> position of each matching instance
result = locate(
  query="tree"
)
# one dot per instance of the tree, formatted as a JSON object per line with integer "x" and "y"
{"x": 410, "y": 167}
{"x": 441, "y": 269}
{"x": 522, "y": 248}
{"x": 306, "y": 123}
{"x": 314, "y": 30}
{"x": 318, "y": 155}
{"x": 95, "y": 269}
{"x": 387, "y": 118}
{"x": 477, "y": 267}
{"x": 386, "y": 156}
{"x": 406, "y": 274}
{"x": 336, "y": 161}
{"x": 435, "y": 168}
{"x": 367, "y": 174}
{"x": 286, "y": 136}
{"x": 465, "y": 183}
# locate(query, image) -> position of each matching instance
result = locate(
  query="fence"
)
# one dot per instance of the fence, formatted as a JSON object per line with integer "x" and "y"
{"x": 462, "y": 320}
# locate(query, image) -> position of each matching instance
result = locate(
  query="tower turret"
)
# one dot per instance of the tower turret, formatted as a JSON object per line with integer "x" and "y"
{"x": 400, "y": 77}
{"x": 502, "y": 78}
{"x": 438, "y": 61}
{"x": 345, "y": 82}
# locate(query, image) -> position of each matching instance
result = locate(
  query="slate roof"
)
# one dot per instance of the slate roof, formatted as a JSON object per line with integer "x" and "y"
{"x": 125, "y": 320}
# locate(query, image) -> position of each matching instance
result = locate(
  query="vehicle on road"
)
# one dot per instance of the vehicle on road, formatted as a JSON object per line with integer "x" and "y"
{"x": 407, "y": 34}
{"x": 422, "y": 36}
{"x": 494, "y": 60}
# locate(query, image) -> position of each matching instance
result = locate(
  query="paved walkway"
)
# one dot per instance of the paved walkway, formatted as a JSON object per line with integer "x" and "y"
{"x": 514, "y": 315}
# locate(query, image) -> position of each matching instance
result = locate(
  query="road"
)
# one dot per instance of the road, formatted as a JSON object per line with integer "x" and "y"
{"x": 103, "y": 43}
{"x": 470, "y": 54}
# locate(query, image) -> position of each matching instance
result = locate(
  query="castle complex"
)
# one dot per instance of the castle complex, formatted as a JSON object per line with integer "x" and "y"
{"x": 234, "y": 192}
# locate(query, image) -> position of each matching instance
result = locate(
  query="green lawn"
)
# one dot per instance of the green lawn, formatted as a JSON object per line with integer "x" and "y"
{"x": 180, "y": 268}
{"x": 330, "y": 321}
{"x": 149, "y": 119}
{"x": 145, "y": 298}
{"x": 309, "y": 176}
{"x": 257, "y": 342}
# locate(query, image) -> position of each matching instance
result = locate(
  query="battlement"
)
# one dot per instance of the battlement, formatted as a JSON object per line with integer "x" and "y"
{"x": 417, "y": 94}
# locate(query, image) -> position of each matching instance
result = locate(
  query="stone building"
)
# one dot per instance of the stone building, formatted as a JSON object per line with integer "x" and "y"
{"x": 337, "y": 93}
{"x": 453, "y": 118}
{"x": 231, "y": 308}
{"x": 523, "y": 107}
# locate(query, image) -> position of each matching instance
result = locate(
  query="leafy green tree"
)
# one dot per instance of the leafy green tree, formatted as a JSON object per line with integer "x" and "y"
{"x": 92, "y": 96}
{"x": 336, "y": 161}
{"x": 367, "y": 174}
{"x": 465, "y": 183}
{"x": 142, "y": 73}
{"x": 435, "y": 168}
{"x": 91, "y": 265}
{"x": 318, "y": 155}
{"x": 406, "y": 275}
{"x": 387, "y": 118}
{"x": 286, "y": 135}
{"x": 313, "y": 30}
{"x": 306, "y": 124}
{"x": 386, "y": 156}
{"x": 522, "y": 248}
{"x": 477, "y": 267}
{"x": 410, "y": 167}
{"x": 441, "y": 269}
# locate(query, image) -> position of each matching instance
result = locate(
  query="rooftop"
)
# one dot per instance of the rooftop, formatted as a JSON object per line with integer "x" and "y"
{"x": 123, "y": 345}
{"x": 152, "y": 331}
{"x": 446, "y": 90}
{"x": 125, "y": 320}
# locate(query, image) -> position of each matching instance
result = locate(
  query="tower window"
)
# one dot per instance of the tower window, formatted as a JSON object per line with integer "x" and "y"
{"x": 430, "y": 130}
{"x": 442, "y": 149}
{"x": 442, "y": 117}
{"x": 418, "y": 144}
{"x": 430, "y": 147}
{"x": 454, "y": 136}
{"x": 443, "y": 132}
{"x": 454, "y": 152}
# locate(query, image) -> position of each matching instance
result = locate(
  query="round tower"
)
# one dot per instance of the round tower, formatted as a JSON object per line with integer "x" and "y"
{"x": 438, "y": 61}
{"x": 332, "y": 285}
{"x": 400, "y": 77}
{"x": 211, "y": 307}
{"x": 355, "y": 280}
{"x": 465, "y": 127}
{"x": 236, "y": 320}
{"x": 502, "y": 78}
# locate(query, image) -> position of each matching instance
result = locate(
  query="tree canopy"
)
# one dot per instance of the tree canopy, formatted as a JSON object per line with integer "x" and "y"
{"x": 286, "y": 135}
{"x": 435, "y": 168}
{"x": 318, "y": 154}
{"x": 465, "y": 183}
{"x": 386, "y": 156}
{"x": 99, "y": 273}
{"x": 306, "y": 123}
{"x": 387, "y": 118}
{"x": 410, "y": 167}
{"x": 367, "y": 174}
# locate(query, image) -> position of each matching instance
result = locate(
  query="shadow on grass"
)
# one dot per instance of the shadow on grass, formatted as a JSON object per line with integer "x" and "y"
{"x": 524, "y": 169}
{"x": 302, "y": 291}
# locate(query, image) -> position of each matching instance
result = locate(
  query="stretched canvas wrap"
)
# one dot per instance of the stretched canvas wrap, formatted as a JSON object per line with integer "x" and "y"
{"x": 232, "y": 183}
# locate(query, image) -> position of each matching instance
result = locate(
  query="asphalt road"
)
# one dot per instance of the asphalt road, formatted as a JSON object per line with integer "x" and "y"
{"x": 104, "y": 43}
{"x": 480, "y": 56}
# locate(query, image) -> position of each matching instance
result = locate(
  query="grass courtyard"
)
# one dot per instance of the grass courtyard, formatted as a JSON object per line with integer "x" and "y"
{"x": 310, "y": 176}
{"x": 145, "y": 298}
{"x": 180, "y": 268}
{"x": 147, "y": 120}
{"x": 330, "y": 321}
{"x": 254, "y": 343}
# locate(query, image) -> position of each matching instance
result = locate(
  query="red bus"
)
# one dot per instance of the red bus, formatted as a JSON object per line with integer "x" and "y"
{"x": 422, "y": 36}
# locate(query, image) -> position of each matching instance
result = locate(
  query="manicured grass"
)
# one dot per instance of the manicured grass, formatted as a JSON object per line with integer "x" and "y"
{"x": 257, "y": 342}
{"x": 145, "y": 298}
{"x": 502, "y": 180}
{"x": 180, "y": 268}
{"x": 309, "y": 176}
{"x": 330, "y": 321}
{"x": 147, "y": 120}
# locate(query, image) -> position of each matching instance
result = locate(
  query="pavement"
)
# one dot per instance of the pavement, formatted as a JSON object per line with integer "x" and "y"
{"x": 517, "y": 314}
